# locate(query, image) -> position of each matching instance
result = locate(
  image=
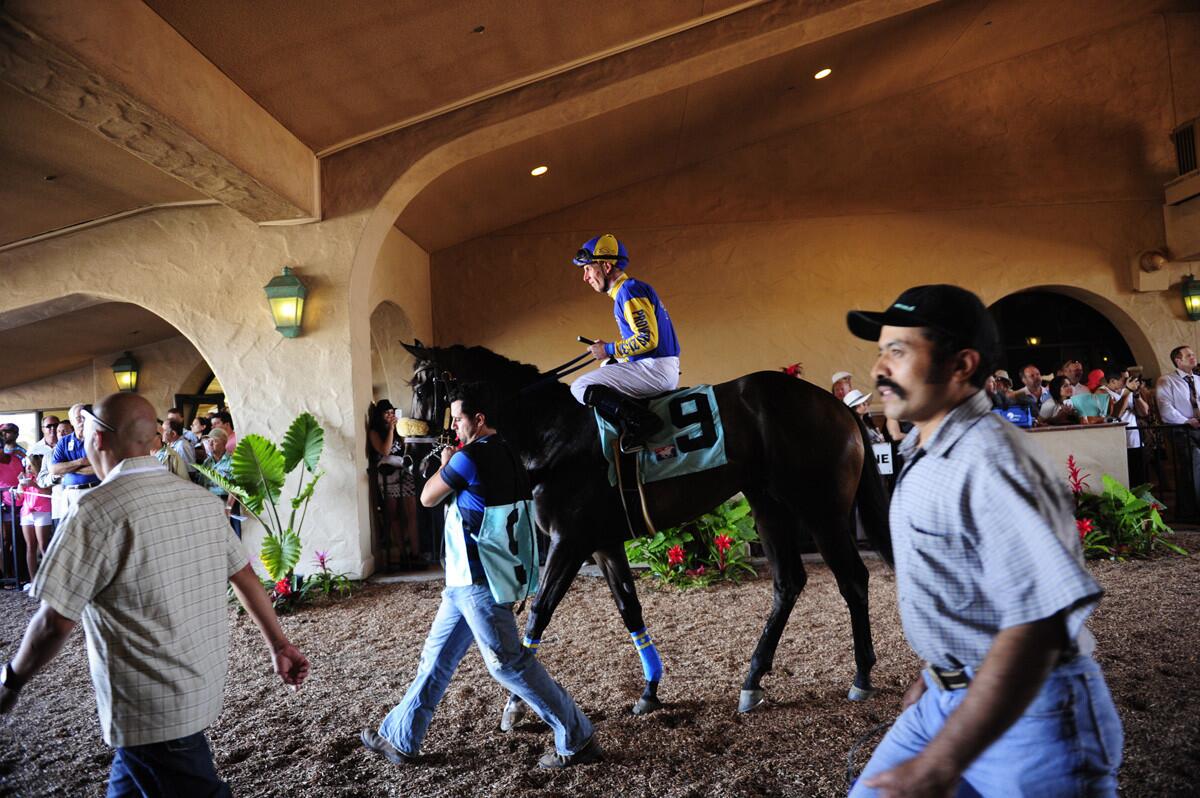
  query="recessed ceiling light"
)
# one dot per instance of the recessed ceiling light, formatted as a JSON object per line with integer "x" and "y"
{"x": 538, "y": 171}
{"x": 824, "y": 73}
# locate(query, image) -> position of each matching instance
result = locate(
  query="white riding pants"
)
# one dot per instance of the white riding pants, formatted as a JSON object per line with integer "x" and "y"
{"x": 635, "y": 378}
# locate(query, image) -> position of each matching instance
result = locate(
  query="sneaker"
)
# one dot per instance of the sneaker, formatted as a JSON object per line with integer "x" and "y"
{"x": 552, "y": 760}
{"x": 373, "y": 741}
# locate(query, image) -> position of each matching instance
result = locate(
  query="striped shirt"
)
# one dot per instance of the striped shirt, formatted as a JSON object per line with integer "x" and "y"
{"x": 985, "y": 539}
{"x": 143, "y": 560}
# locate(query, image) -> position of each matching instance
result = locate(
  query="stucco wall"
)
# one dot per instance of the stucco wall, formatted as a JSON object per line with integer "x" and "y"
{"x": 1027, "y": 173}
{"x": 164, "y": 368}
{"x": 268, "y": 379}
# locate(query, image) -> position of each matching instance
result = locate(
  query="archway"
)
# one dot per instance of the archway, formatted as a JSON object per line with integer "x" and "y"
{"x": 1048, "y": 325}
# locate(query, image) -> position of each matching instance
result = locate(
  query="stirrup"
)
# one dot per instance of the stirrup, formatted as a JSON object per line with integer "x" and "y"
{"x": 633, "y": 446}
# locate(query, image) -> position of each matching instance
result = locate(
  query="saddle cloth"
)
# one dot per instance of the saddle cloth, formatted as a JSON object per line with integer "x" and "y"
{"x": 692, "y": 438}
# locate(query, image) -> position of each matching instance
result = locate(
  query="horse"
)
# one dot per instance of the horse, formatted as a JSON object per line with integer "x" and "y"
{"x": 800, "y": 457}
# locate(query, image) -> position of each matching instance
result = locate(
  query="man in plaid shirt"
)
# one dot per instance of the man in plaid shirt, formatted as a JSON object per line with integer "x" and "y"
{"x": 992, "y": 590}
{"x": 142, "y": 561}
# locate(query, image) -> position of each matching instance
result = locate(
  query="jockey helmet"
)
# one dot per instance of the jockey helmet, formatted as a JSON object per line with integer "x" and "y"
{"x": 603, "y": 248}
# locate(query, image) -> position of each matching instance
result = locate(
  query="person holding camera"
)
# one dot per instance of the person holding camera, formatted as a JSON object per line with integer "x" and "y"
{"x": 1126, "y": 404}
{"x": 397, "y": 488}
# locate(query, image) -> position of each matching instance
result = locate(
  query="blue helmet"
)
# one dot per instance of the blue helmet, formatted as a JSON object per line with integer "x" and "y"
{"x": 603, "y": 248}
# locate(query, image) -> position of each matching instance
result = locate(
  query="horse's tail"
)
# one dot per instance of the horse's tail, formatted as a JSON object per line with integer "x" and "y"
{"x": 872, "y": 500}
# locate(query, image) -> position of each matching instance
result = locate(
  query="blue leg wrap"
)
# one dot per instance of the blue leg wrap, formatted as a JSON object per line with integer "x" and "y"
{"x": 652, "y": 667}
{"x": 530, "y": 643}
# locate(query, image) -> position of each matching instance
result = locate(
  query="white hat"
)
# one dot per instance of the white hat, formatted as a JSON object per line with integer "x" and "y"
{"x": 855, "y": 398}
{"x": 840, "y": 375}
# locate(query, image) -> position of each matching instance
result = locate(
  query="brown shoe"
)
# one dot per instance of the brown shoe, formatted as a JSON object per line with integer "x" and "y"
{"x": 591, "y": 752}
{"x": 373, "y": 741}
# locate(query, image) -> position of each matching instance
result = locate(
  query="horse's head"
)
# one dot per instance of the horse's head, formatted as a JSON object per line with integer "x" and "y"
{"x": 430, "y": 386}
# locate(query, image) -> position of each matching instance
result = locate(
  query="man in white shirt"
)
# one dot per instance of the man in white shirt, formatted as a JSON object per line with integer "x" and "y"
{"x": 1177, "y": 402}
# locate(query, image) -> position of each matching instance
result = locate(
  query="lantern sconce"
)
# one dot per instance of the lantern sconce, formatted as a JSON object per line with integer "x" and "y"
{"x": 125, "y": 370}
{"x": 1191, "y": 297}
{"x": 285, "y": 295}
{"x": 1032, "y": 340}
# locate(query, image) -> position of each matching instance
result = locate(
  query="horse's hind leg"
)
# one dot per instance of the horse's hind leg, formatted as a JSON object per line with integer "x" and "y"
{"x": 562, "y": 564}
{"x": 842, "y": 557}
{"x": 777, "y": 530}
{"x": 615, "y": 565}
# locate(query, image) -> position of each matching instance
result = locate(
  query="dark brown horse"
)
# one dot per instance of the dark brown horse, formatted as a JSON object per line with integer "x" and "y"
{"x": 798, "y": 455}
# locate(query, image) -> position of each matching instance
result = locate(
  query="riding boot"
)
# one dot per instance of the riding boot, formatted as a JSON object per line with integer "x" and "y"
{"x": 633, "y": 419}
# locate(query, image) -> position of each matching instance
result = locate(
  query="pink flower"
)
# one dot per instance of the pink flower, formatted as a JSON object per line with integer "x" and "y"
{"x": 283, "y": 587}
{"x": 723, "y": 543}
{"x": 1085, "y": 527}
{"x": 675, "y": 555}
{"x": 322, "y": 560}
{"x": 696, "y": 571}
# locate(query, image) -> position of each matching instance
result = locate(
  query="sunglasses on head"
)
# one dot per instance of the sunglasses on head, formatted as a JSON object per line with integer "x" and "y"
{"x": 99, "y": 421}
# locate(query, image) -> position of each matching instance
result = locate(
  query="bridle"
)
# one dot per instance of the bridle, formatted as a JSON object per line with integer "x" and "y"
{"x": 432, "y": 387}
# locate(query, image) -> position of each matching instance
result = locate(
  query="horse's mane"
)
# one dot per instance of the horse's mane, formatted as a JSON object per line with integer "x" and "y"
{"x": 479, "y": 363}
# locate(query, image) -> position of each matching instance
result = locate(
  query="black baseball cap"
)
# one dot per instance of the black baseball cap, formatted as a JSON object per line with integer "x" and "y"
{"x": 946, "y": 308}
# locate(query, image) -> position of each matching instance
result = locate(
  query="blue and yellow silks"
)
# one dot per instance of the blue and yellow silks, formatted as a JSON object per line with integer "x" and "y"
{"x": 652, "y": 667}
{"x": 643, "y": 321}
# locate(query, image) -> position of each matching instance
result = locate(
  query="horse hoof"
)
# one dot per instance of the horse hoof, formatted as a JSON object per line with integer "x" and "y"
{"x": 860, "y": 694}
{"x": 645, "y": 706}
{"x": 749, "y": 700}
{"x": 514, "y": 710}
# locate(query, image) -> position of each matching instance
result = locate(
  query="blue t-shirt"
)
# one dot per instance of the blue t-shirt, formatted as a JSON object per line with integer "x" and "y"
{"x": 482, "y": 474}
{"x": 71, "y": 448}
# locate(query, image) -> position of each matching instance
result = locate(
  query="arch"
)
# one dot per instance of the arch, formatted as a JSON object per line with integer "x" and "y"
{"x": 1130, "y": 330}
{"x": 391, "y": 364}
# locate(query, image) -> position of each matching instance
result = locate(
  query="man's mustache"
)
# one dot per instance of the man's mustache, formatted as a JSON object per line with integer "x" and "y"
{"x": 884, "y": 382}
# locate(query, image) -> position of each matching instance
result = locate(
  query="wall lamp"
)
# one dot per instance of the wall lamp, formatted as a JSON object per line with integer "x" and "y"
{"x": 1191, "y": 297}
{"x": 125, "y": 370}
{"x": 285, "y": 295}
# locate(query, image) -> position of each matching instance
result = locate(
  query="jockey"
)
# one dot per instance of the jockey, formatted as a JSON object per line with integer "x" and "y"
{"x": 647, "y": 355}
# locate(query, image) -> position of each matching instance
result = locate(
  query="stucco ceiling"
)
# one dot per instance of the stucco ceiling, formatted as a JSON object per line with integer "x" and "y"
{"x": 54, "y": 173}
{"x": 71, "y": 340}
{"x": 331, "y": 72}
{"x": 883, "y": 61}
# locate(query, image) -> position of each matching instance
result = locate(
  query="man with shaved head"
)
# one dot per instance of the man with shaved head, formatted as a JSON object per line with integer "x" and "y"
{"x": 143, "y": 560}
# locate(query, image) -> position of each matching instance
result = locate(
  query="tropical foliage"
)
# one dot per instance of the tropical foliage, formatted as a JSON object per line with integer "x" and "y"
{"x": 1119, "y": 522}
{"x": 260, "y": 471}
{"x": 711, "y": 548}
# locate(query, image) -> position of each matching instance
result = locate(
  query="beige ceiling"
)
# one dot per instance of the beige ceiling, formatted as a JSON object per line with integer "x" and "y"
{"x": 71, "y": 340}
{"x": 91, "y": 177}
{"x": 749, "y": 104}
{"x": 333, "y": 71}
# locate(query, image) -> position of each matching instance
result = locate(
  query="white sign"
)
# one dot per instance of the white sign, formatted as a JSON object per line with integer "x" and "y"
{"x": 883, "y": 457}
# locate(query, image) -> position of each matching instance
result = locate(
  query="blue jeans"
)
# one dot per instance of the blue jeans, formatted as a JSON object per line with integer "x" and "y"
{"x": 1067, "y": 743}
{"x": 180, "y": 768}
{"x": 466, "y": 614}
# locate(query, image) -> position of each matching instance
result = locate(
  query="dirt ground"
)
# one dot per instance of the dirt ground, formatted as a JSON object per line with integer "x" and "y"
{"x": 271, "y": 742}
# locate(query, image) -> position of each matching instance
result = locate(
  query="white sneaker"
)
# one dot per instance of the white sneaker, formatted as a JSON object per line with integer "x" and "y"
{"x": 28, "y": 586}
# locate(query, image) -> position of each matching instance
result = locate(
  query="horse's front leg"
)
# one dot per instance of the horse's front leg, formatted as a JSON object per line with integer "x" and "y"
{"x": 615, "y": 565}
{"x": 562, "y": 564}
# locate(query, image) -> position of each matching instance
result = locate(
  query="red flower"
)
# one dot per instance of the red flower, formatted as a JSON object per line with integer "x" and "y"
{"x": 1076, "y": 476}
{"x": 794, "y": 370}
{"x": 723, "y": 542}
{"x": 1084, "y": 525}
{"x": 283, "y": 587}
{"x": 675, "y": 555}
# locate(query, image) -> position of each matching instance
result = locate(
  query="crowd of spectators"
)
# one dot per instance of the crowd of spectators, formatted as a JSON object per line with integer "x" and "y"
{"x": 1074, "y": 395}
{"x": 41, "y": 483}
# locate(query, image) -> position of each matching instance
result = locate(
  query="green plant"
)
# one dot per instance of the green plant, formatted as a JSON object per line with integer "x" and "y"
{"x": 1119, "y": 522}
{"x": 710, "y": 548}
{"x": 260, "y": 470}
{"x": 325, "y": 581}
